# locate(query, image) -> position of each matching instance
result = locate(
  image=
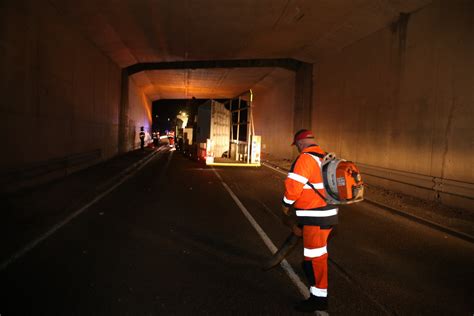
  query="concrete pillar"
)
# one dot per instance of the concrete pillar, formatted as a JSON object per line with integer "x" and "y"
{"x": 303, "y": 97}
{"x": 124, "y": 114}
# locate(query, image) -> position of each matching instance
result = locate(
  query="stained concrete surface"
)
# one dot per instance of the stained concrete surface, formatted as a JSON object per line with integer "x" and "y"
{"x": 401, "y": 99}
{"x": 392, "y": 80}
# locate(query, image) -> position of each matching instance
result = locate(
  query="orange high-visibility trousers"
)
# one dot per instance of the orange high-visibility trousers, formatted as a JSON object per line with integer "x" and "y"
{"x": 315, "y": 264}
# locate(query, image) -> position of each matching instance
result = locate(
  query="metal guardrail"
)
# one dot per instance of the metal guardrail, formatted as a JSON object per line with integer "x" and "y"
{"x": 458, "y": 188}
{"x": 397, "y": 211}
{"x": 46, "y": 170}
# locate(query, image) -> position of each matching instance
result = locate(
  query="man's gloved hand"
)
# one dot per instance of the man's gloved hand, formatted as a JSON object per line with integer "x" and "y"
{"x": 286, "y": 217}
{"x": 289, "y": 219}
{"x": 297, "y": 230}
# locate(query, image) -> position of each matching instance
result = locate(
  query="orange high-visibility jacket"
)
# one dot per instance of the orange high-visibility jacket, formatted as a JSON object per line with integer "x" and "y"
{"x": 310, "y": 207}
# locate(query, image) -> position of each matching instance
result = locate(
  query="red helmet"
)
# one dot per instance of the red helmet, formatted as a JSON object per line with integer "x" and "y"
{"x": 302, "y": 134}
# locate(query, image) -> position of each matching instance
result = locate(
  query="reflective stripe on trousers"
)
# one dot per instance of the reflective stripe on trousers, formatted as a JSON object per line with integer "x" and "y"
{"x": 315, "y": 263}
{"x": 315, "y": 252}
{"x": 318, "y": 292}
{"x": 316, "y": 213}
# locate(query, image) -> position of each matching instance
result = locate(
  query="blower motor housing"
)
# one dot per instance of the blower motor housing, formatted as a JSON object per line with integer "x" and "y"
{"x": 342, "y": 181}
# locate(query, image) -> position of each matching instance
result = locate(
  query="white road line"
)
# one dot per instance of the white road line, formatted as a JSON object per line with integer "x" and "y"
{"x": 276, "y": 169}
{"x": 284, "y": 264}
{"x": 56, "y": 227}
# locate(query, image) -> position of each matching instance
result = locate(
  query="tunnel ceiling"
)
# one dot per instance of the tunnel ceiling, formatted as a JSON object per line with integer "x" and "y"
{"x": 140, "y": 31}
{"x": 200, "y": 83}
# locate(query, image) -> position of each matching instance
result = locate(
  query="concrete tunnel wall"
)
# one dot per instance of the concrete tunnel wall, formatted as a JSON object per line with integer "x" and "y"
{"x": 60, "y": 94}
{"x": 139, "y": 115}
{"x": 400, "y": 102}
{"x": 273, "y": 112}
{"x": 405, "y": 91}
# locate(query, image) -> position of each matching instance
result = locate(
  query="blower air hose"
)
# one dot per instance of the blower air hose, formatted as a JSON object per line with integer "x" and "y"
{"x": 282, "y": 252}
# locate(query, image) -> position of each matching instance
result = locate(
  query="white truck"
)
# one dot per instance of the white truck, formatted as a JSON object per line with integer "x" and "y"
{"x": 213, "y": 126}
{"x": 216, "y": 139}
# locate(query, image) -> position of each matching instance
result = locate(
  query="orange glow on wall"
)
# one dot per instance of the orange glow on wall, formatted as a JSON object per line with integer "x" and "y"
{"x": 147, "y": 106}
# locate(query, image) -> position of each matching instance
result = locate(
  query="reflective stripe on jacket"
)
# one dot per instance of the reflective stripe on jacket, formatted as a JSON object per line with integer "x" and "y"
{"x": 310, "y": 208}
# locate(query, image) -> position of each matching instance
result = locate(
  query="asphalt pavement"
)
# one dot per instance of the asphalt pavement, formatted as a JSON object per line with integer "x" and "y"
{"x": 159, "y": 234}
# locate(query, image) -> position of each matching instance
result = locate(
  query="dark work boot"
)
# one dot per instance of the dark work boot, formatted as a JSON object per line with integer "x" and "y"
{"x": 312, "y": 304}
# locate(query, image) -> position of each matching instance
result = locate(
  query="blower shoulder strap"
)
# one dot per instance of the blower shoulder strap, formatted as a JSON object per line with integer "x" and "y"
{"x": 313, "y": 153}
{"x": 315, "y": 190}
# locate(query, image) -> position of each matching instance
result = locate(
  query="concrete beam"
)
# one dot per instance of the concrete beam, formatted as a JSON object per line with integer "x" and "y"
{"x": 286, "y": 63}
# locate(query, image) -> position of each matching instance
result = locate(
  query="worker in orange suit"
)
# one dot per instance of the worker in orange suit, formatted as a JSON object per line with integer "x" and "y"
{"x": 304, "y": 193}
{"x": 142, "y": 135}
{"x": 171, "y": 138}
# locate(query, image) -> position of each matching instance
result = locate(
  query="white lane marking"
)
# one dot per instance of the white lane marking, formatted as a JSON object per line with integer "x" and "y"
{"x": 56, "y": 227}
{"x": 276, "y": 169}
{"x": 284, "y": 264}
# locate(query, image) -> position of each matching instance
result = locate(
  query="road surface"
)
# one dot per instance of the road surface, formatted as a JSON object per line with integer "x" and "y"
{"x": 174, "y": 239}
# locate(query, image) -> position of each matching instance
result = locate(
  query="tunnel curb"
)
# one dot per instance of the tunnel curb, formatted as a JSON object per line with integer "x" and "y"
{"x": 423, "y": 221}
{"x": 399, "y": 212}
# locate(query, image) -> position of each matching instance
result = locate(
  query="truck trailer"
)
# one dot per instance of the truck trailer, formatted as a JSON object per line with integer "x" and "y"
{"x": 222, "y": 133}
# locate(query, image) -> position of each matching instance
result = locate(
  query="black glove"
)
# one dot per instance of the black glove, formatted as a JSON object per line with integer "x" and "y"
{"x": 288, "y": 220}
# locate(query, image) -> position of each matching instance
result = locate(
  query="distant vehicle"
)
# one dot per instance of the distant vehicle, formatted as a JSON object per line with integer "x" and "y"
{"x": 224, "y": 135}
{"x": 213, "y": 130}
{"x": 164, "y": 140}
